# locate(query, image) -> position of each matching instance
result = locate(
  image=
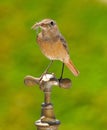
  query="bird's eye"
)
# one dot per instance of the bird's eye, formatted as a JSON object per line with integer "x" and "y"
{"x": 52, "y": 23}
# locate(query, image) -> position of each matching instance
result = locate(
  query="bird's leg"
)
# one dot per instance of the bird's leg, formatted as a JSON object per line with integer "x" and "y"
{"x": 46, "y": 69}
{"x": 62, "y": 71}
{"x": 48, "y": 66}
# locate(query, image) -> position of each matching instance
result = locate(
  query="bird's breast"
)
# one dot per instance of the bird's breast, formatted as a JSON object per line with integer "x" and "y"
{"x": 53, "y": 50}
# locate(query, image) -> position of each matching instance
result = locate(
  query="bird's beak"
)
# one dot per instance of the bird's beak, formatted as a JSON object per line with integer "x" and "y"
{"x": 36, "y": 26}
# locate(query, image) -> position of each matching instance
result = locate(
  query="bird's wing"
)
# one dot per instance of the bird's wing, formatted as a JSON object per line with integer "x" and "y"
{"x": 63, "y": 41}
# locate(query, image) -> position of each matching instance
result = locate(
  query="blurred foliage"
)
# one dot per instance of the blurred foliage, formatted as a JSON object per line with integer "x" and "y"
{"x": 84, "y": 25}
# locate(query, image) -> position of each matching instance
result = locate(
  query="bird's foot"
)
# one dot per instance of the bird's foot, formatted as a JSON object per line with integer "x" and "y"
{"x": 44, "y": 73}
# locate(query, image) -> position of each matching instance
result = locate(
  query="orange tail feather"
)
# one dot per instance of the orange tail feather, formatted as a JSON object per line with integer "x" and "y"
{"x": 72, "y": 68}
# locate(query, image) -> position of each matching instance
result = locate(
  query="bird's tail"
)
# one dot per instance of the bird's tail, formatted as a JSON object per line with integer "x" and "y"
{"x": 72, "y": 68}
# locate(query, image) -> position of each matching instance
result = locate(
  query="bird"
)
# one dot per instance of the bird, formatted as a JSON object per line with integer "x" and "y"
{"x": 53, "y": 45}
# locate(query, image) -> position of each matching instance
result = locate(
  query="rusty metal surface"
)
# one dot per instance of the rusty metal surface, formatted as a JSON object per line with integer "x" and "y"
{"x": 47, "y": 120}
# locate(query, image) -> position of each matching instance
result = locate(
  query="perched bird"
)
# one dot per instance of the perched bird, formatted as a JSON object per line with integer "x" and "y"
{"x": 53, "y": 44}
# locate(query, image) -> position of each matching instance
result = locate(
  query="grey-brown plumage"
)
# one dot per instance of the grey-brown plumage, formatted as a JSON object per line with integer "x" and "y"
{"x": 53, "y": 44}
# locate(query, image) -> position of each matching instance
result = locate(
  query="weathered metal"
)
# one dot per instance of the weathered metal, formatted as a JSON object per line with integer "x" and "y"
{"x": 47, "y": 120}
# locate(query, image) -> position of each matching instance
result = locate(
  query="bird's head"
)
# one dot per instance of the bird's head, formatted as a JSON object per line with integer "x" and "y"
{"x": 46, "y": 25}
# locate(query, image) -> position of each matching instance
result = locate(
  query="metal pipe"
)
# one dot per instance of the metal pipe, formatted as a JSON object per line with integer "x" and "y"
{"x": 47, "y": 120}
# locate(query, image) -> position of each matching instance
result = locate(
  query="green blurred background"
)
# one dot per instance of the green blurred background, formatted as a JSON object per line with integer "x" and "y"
{"x": 84, "y": 25}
